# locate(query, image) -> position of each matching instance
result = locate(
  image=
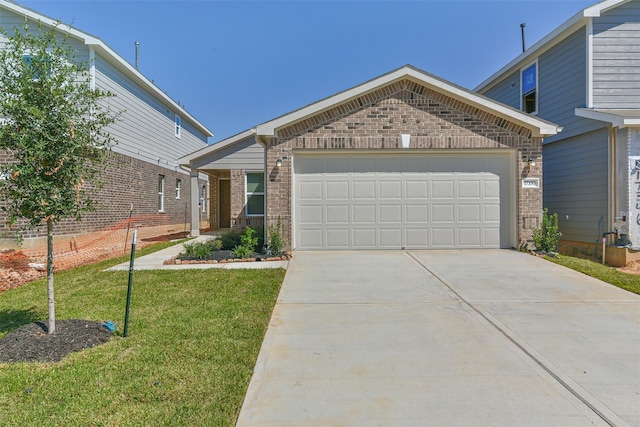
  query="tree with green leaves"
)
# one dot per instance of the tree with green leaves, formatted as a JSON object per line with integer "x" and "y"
{"x": 53, "y": 125}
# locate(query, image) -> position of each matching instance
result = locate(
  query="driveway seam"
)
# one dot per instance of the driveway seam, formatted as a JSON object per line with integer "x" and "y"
{"x": 580, "y": 393}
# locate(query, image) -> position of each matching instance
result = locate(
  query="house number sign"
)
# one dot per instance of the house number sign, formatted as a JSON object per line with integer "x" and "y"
{"x": 531, "y": 183}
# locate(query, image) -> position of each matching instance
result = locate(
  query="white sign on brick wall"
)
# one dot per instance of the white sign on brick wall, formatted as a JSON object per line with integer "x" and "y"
{"x": 531, "y": 183}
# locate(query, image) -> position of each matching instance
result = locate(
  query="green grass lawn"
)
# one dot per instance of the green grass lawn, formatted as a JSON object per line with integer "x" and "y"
{"x": 194, "y": 336}
{"x": 630, "y": 282}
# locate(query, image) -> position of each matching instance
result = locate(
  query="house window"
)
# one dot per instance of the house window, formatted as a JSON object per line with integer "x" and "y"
{"x": 178, "y": 126}
{"x": 178, "y": 188}
{"x": 160, "y": 193}
{"x": 254, "y": 202}
{"x": 37, "y": 64}
{"x": 529, "y": 85}
{"x": 203, "y": 198}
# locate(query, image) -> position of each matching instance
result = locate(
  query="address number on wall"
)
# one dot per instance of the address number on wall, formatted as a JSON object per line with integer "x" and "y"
{"x": 531, "y": 183}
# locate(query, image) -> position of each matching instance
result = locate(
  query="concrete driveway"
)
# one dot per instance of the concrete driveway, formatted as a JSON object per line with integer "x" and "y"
{"x": 445, "y": 338}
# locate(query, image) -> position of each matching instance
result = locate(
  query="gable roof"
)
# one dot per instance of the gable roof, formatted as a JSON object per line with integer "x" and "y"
{"x": 539, "y": 127}
{"x": 111, "y": 56}
{"x": 579, "y": 20}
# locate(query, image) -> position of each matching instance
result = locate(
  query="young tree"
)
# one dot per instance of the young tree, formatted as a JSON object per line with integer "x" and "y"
{"x": 53, "y": 124}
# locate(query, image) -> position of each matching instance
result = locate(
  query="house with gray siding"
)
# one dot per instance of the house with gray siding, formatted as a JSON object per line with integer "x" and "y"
{"x": 405, "y": 160}
{"x": 585, "y": 76}
{"x": 142, "y": 177}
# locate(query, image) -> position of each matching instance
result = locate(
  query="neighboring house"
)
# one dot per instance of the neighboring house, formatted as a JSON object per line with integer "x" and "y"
{"x": 585, "y": 76}
{"x": 153, "y": 131}
{"x": 405, "y": 160}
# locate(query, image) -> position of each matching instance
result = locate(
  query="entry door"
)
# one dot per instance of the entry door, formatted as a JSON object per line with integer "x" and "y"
{"x": 224, "y": 203}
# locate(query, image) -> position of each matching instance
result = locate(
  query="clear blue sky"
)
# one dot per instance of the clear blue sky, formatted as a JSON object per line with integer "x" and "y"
{"x": 236, "y": 64}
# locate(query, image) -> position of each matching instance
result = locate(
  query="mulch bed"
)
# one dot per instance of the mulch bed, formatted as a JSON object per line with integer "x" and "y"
{"x": 225, "y": 256}
{"x": 31, "y": 343}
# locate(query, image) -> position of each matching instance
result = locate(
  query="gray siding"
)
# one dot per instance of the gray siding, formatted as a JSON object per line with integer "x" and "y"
{"x": 145, "y": 129}
{"x": 616, "y": 57}
{"x": 575, "y": 184}
{"x": 243, "y": 155}
{"x": 507, "y": 91}
{"x": 562, "y": 84}
{"x": 10, "y": 20}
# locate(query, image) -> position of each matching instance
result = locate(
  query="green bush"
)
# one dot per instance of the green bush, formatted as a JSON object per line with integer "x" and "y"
{"x": 546, "y": 237}
{"x": 260, "y": 236}
{"x": 248, "y": 243}
{"x": 197, "y": 250}
{"x": 230, "y": 239}
{"x": 215, "y": 244}
{"x": 276, "y": 238}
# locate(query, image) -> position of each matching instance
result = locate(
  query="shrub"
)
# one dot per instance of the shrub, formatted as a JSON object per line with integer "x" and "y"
{"x": 276, "y": 238}
{"x": 248, "y": 243}
{"x": 215, "y": 244}
{"x": 197, "y": 250}
{"x": 230, "y": 239}
{"x": 546, "y": 237}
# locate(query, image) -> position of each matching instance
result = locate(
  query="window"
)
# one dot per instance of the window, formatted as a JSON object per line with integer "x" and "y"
{"x": 178, "y": 126}
{"x": 37, "y": 64}
{"x": 160, "y": 193}
{"x": 203, "y": 198}
{"x": 178, "y": 188}
{"x": 529, "y": 85}
{"x": 254, "y": 201}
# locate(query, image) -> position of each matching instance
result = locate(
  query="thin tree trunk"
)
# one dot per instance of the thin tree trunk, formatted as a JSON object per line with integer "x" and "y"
{"x": 52, "y": 307}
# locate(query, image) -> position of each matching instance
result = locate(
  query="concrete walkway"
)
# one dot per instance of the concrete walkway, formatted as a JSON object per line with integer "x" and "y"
{"x": 445, "y": 338}
{"x": 155, "y": 261}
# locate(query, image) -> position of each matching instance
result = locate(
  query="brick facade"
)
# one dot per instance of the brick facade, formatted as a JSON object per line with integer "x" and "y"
{"x": 127, "y": 182}
{"x": 375, "y": 121}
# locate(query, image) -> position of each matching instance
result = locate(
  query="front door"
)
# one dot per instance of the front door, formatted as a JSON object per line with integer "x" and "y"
{"x": 224, "y": 202}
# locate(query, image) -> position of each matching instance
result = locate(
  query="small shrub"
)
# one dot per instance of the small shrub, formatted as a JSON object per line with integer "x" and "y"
{"x": 260, "y": 236}
{"x": 276, "y": 238}
{"x": 215, "y": 244}
{"x": 248, "y": 243}
{"x": 546, "y": 237}
{"x": 197, "y": 250}
{"x": 230, "y": 239}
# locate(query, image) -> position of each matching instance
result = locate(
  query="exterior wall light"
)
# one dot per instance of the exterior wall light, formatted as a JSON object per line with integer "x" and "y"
{"x": 532, "y": 162}
{"x": 278, "y": 163}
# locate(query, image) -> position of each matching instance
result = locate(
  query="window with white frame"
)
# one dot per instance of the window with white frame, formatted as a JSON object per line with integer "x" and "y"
{"x": 178, "y": 126}
{"x": 203, "y": 198}
{"x": 178, "y": 188}
{"x": 254, "y": 195}
{"x": 160, "y": 193}
{"x": 529, "y": 88}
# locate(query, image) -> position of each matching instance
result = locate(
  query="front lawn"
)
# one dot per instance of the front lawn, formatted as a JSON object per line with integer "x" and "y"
{"x": 630, "y": 282}
{"x": 194, "y": 337}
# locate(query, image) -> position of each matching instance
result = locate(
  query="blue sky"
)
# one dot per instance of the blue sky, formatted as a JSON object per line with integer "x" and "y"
{"x": 236, "y": 64}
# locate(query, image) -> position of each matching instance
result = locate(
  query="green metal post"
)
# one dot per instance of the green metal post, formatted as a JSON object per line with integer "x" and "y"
{"x": 129, "y": 287}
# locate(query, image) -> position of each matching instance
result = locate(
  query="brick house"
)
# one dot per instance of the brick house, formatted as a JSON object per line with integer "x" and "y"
{"x": 142, "y": 179}
{"x": 406, "y": 160}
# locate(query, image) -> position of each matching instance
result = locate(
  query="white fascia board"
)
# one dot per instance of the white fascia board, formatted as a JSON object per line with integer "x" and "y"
{"x": 186, "y": 160}
{"x": 551, "y": 39}
{"x": 112, "y": 56}
{"x": 616, "y": 120}
{"x": 540, "y": 128}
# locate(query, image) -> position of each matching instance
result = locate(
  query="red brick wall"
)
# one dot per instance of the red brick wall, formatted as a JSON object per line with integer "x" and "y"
{"x": 376, "y": 120}
{"x": 127, "y": 181}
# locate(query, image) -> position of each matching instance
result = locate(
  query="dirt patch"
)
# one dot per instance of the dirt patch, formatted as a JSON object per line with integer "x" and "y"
{"x": 631, "y": 268}
{"x": 31, "y": 343}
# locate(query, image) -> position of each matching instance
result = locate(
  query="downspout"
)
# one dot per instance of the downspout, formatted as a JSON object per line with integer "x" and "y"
{"x": 613, "y": 197}
{"x": 260, "y": 140}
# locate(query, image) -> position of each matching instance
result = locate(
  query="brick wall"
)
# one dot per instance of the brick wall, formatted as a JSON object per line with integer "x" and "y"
{"x": 127, "y": 182}
{"x": 375, "y": 122}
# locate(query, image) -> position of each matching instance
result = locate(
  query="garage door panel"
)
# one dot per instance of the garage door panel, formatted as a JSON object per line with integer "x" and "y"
{"x": 390, "y": 190}
{"x": 396, "y": 201}
{"x": 337, "y": 238}
{"x": 338, "y": 214}
{"x": 390, "y": 238}
{"x": 390, "y": 213}
{"x": 311, "y": 215}
{"x": 338, "y": 190}
{"x": 364, "y": 190}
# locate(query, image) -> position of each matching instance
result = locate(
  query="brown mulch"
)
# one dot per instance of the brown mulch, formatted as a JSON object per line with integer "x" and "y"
{"x": 31, "y": 343}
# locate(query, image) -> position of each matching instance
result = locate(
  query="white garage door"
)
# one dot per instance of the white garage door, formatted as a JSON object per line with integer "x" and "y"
{"x": 393, "y": 201}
